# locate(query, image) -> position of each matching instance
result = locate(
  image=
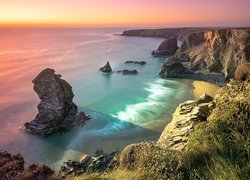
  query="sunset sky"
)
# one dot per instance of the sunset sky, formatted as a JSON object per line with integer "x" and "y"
{"x": 125, "y": 12}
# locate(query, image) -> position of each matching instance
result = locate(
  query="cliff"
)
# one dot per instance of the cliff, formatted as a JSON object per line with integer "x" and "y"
{"x": 211, "y": 51}
{"x": 163, "y": 33}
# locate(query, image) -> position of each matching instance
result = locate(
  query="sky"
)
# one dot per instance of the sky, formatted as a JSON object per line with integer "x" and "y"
{"x": 172, "y": 13}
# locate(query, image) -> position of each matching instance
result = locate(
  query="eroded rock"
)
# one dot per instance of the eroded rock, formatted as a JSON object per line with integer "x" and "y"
{"x": 186, "y": 115}
{"x": 167, "y": 47}
{"x": 56, "y": 111}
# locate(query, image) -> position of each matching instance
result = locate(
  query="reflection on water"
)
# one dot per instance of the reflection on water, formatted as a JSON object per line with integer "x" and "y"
{"x": 132, "y": 108}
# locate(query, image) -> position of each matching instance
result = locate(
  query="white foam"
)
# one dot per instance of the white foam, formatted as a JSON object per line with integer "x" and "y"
{"x": 144, "y": 113}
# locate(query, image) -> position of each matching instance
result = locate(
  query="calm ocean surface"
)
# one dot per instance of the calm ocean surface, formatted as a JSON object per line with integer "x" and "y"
{"x": 125, "y": 109}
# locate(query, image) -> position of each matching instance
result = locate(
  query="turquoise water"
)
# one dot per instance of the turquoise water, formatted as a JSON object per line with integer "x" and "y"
{"x": 125, "y": 109}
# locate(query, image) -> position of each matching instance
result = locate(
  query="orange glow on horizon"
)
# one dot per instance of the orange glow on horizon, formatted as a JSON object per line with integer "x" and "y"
{"x": 120, "y": 13}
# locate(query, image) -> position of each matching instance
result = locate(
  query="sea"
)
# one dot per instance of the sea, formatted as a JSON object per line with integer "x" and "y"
{"x": 124, "y": 109}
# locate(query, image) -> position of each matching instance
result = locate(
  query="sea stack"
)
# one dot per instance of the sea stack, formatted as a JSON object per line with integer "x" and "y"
{"x": 56, "y": 111}
{"x": 107, "y": 68}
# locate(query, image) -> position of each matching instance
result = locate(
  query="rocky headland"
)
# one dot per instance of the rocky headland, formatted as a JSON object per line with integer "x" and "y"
{"x": 210, "y": 54}
{"x": 214, "y": 51}
{"x": 56, "y": 111}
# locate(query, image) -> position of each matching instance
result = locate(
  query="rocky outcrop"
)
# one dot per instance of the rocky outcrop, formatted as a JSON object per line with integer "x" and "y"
{"x": 213, "y": 51}
{"x": 173, "y": 69}
{"x": 187, "y": 114}
{"x": 12, "y": 167}
{"x": 107, "y": 68}
{"x": 167, "y": 47}
{"x": 87, "y": 164}
{"x": 56, "y": 111}
{"x": 135, "y": 62}
{"x": 127, "y": 72}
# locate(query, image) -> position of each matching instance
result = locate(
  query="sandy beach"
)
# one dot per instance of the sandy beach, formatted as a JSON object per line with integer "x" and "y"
{"x": 201, "y": 87}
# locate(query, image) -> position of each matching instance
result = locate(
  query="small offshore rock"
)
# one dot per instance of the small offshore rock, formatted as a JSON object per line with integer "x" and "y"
{"x": 136, "y": 62}
{"x": 107, "y": 68}
{"x": 127, "y": 72}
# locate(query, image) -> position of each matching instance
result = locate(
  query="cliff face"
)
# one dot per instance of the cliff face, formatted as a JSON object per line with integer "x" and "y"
{"x": 164, "y": 33}
{"x": 219, "y": 51}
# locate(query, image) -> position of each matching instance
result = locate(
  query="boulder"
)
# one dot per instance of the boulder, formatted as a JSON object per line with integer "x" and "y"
{"x": 56, "y": 111}
{"x": 167, "y": 47}
{"x": 107, "y": 68}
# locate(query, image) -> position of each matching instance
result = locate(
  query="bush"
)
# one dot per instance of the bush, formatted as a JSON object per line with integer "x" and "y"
{"x": 242, "y": 72}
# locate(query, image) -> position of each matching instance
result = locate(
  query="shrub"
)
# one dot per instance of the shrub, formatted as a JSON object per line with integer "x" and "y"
{"x": 242, "y": 72}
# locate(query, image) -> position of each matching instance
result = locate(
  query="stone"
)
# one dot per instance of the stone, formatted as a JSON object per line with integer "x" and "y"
{"x": 56, "y": 111}
{"x": 107, "y": 68}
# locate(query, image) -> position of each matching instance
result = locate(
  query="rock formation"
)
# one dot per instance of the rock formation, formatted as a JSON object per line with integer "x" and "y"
{"x": 127, "y": 72}
{"x": 164, "y": 33}
{"x": 135, "y": 62}
{"x": 107, "y": 68}
{"x": 87, "y": 164}
{"x": 173, "y": 69}
{"x": 12, "y": 167}
{"x": 167, "y": 47}
{"x": 56, "y": 111}
{"x": 216, "y": 51}
{"x": 175, "y": 135}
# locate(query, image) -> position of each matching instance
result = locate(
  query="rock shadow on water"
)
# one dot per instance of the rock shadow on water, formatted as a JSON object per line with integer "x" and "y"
{"x": 102, "y": 132}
